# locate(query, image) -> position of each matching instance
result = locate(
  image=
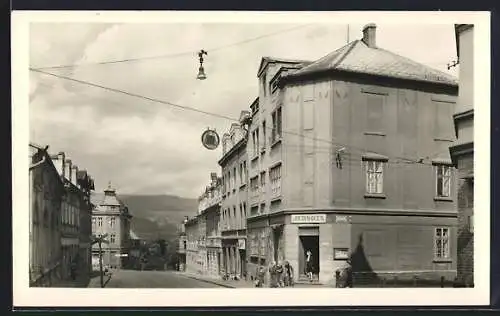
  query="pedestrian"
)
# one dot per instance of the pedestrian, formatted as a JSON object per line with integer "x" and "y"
{"x": 73, "y": 270}
{"x": 259, "y": 282}
{"x": 288, "y": 274}
{"x": 273, "y": 275}
{"x": 309, "y": 265}
{"x": 280, "y": 274}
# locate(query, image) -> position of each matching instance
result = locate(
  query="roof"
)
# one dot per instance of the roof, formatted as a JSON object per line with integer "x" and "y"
{"x": 266, "y": 60}
{"x": 357, "y": 57}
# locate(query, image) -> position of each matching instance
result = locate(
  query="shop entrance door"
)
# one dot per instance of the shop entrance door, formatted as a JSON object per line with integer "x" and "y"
{"x": 309, "y": 241}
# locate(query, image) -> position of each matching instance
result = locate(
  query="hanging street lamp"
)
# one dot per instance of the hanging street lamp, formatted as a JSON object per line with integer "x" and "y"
{"x": 201, "y": 70}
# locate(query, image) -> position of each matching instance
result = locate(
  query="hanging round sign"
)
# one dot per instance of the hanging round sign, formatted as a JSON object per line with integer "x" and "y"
{"x": 210, "y": 139}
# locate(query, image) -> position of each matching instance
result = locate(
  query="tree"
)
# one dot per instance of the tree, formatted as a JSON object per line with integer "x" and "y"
{"x": 163, "y": 246}
{"x": 100, "y": 240}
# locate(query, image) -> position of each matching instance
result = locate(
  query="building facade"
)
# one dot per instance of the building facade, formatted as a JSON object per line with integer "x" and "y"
{"x": 264, "y": 166}
{"x": 46, "y": 194}
{"x": 209, "y": 213}
{"x": 462, "y": 153}
{"x": 360, "y": 169}
{"x": 234, "y": 199}
{"x": 111, "y": 217}
{"x": 75, "y": 218}
{"x": 192, "y": 240}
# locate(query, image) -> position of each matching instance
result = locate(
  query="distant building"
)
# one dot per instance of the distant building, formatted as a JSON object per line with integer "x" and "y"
{"x": 462, "y": 152}
{"x": 45, "y": 196}
{"x": 111, "y": 217}
{"x": 209, "y": 213}
{"x": 192, "y": 240}
{"x": 76, "y": 212}
{"x": 182, "y": 246}
{"x": 358, "y": 165}
{"x": 234, "y": 199}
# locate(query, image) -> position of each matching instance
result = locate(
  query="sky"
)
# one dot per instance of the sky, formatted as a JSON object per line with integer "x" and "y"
{"x": 145, "y": 147}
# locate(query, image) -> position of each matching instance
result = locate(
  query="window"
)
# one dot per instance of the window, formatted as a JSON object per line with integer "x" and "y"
{"x": 234, "y": 217}
{"x": 255, "y": 141}
{"x": 99, "y": 221}
{"x": 245, "y": 171}
{"x": 263, "y": 181}
{"x": 443, "y": 179}
{"x": 374, "y": 177}
{"x": 241, "y": 173}
{"x": 276, "y": 131}
{"x": 441, "y": 243}
{"x": 263, "y": 147}
{"x": 275, "y": 177}
{"x": 93, "y": 220}
{"x": 254, "y": 185}
{"x": 112, "y": 222}
{"x": 234, "y": 178}
{"x": 112, "y": 238}
{"x": 229, "y": 180}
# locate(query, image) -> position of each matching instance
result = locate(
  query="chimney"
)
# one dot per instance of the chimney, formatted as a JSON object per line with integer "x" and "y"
{"x": 67, "y": 169}
{"x": 369, "y": 35}
{"x": 74, "y": 171}
{"x": 59, "y": 163}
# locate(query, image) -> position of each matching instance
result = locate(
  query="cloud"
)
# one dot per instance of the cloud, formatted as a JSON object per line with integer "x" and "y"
{"x": 149, "y": 147}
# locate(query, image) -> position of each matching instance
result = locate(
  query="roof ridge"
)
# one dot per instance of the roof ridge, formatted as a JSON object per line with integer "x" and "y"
{"x": 306, "y": 68}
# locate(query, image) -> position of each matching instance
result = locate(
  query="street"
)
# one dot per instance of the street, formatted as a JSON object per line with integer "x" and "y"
{"x": 154, "y": 279}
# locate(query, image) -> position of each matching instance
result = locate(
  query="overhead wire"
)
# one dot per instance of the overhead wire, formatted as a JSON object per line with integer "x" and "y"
{"x": 226, "y": 117}
{"x": 174, "y": 55}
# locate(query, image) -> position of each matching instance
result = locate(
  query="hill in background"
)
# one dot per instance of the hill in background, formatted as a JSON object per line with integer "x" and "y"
{"x": 158, "y": 216}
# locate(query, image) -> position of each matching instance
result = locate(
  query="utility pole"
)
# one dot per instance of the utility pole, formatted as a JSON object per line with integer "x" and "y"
{"x": 99, "y": 241}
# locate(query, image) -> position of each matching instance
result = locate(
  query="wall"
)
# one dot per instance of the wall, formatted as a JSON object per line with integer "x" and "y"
{"x": 335, "y": 114}
{"x": 234, "y": 197}
{"x": 46, "y": 201}
{"x": 390, "y": 245}
{"x": 466, "y": 71}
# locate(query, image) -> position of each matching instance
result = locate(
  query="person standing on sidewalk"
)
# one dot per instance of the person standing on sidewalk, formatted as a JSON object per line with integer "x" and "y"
{"x": 309, "y": 265}
{"x": 288, "y": 274}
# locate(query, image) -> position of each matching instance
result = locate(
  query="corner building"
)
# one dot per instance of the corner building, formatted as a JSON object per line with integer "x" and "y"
{"x": 111, "y": 217}
{"x": 358, "y": 165}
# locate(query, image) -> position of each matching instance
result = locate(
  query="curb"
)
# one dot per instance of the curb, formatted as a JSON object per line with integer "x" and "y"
{"x": 210, "y": 281}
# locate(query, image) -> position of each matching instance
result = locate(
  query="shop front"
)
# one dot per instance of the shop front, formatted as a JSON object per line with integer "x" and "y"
{"x": 214, "y": 253}
{"x": 232, "y": 258}
{"x": 378, "y": 246}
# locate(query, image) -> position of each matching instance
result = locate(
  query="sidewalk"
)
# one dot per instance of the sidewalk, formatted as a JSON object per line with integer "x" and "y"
{"x": 81, "y": 281}
{"x": 240, "y": 283}
{"x": 95, "y": 282}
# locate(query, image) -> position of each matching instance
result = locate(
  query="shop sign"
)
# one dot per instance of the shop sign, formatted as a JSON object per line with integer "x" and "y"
{"x": 308, "y": 218}
{"x": 210, "y": 139}
{"x": 241, "y": 244}
{"x": 340, "y": 253}
{"x": 342, "y": 219}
